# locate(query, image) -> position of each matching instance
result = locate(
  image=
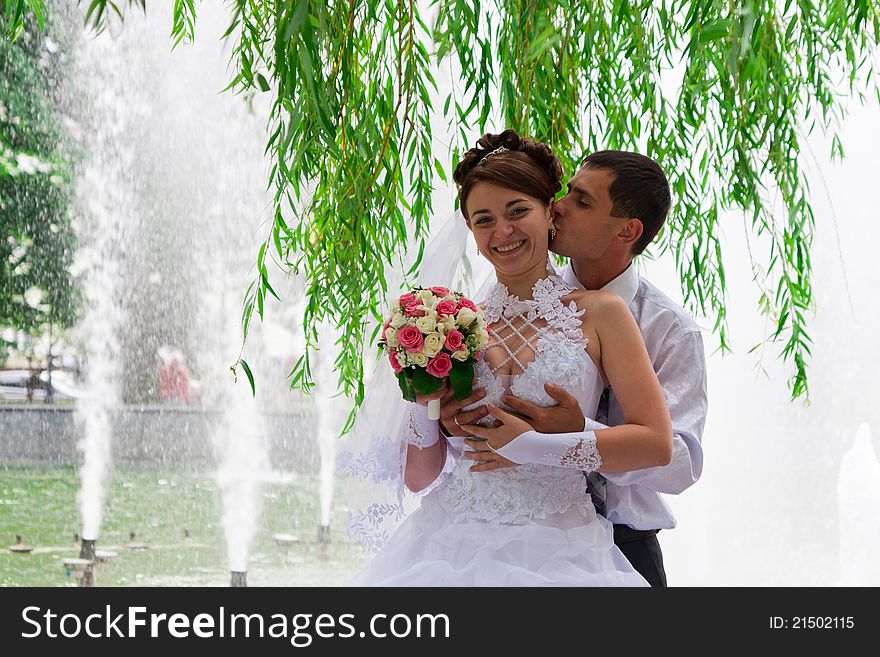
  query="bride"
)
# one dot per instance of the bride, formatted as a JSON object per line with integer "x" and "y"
{"x": 531, "y": 525}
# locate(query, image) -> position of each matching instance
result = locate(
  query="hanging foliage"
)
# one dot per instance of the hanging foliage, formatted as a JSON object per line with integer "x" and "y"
{"x": 721, "y": 93}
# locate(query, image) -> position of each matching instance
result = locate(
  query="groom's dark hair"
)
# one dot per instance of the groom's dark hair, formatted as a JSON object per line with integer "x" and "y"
{"x": 639, "y": 190}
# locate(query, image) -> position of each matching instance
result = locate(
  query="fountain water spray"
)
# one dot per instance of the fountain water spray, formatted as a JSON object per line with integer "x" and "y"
{"x": 239, "y": 449}
{"x": 223, "y": 182}
{"x": 332, "y": 411}
{"x": 201, "y": 191}
{"x": 107, "y": 214}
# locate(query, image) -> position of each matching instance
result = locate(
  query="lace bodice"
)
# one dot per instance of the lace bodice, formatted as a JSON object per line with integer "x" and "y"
{"x": 530, "y": 492}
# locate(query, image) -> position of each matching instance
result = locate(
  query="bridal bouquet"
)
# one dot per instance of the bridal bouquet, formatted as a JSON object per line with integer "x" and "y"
{"x": 434, "y": 335}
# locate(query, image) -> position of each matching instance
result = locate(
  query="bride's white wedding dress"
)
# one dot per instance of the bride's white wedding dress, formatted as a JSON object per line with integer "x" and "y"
{"x": 529, "y": 525}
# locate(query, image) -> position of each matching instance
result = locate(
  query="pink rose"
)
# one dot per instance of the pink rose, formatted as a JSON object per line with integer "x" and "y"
{"x": 415, "y": 309}
{"x": 454, "y": 340}
{"x": 446, "y": 308}
{"x": 478, "y": 355}
{"x": 395, "y": 364}
{"x": 467, "y": 303}
{"x": 410, "y": 338}
{"x": 440, "y": 366}
{"x": 406, "y": 299}
{"x": 439, "y": 291}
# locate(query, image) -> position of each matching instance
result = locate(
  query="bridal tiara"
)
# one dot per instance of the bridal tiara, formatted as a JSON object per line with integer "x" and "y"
{"x": 500, "y": 149}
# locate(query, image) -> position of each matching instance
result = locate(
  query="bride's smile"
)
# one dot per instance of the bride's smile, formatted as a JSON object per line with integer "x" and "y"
{"x": 508, "y": 248}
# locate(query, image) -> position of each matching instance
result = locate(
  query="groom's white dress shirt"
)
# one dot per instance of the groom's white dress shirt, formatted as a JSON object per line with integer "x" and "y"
{"x": 675, "y": 347}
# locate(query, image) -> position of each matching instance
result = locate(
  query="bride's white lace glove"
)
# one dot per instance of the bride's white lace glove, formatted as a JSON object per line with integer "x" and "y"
{"x": 419, "y": 430}
{"x": 568, "y": 450}
{"x": 517, "y": 442}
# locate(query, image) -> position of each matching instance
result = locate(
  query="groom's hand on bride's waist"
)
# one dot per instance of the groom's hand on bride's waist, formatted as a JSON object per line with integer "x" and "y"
{"x": 566, "y": 417}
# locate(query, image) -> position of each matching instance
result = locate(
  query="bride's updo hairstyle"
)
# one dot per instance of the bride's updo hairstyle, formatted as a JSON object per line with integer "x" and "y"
{"x": 526, "y": 166}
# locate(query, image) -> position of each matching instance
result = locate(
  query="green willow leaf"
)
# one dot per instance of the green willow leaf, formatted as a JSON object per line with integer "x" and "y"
{"x": 249, "y": 375}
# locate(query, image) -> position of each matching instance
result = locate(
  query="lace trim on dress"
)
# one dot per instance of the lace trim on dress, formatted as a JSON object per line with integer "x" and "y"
{"x": 380, "y": 463}
{"x": 369, "y": 526}
{"x": 546, "y": 304}
{"x": 514, "y": 496}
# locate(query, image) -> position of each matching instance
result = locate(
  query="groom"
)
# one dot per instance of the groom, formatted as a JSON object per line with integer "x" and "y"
{"x": 615, "y": 206}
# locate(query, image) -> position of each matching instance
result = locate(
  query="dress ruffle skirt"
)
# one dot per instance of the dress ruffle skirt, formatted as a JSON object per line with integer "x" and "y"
{"x": 432, "y": 548}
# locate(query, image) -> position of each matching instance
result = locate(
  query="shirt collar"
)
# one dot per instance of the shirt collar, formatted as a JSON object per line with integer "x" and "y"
{"x": 625, "y": 285}
{"x": 570, "y": 279}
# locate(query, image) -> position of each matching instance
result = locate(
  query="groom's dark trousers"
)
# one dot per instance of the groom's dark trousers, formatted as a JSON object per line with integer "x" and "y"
{"x": 642, "y": 549}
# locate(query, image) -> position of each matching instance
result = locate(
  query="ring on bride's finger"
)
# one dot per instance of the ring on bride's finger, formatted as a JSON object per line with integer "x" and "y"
{"x": 455, "y": 419}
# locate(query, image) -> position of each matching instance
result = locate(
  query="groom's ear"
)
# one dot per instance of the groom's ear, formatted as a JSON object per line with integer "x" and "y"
{"x": 630, "y": 232}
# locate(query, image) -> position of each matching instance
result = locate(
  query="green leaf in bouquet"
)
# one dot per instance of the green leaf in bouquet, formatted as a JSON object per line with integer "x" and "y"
{"x": 461, "y": 378}
{"x": 409, "y": 394}
{"x": 424, "y": 383}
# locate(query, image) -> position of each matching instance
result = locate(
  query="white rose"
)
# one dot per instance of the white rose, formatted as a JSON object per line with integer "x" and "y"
{"x": 483, "y": 340}
{"x": 391, "y": 337}
{"x": 465, "y": 317}
{"x": 418, "y": 359}
{"x": 445, "y": 323}
{"x": 426, "y": 324}
{"x": 425, "y": 296}
{"x": 398, "y": 320}
{"x": 433, "y": 344}
{"x": 461, "y": 355}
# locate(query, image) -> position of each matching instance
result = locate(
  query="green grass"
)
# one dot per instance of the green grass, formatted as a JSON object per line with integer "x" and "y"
{"x": 158, "y": 506}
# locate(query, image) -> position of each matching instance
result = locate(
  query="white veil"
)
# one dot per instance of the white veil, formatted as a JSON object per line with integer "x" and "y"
{"x": 373, "y": 454}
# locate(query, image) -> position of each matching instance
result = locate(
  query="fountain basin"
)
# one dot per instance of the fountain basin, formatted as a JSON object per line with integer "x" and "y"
{"x": 286, "y": 540}
{"x": 77, "y": 566}
{"x": 104, "y": 556}
{"x": 20, "y": 547}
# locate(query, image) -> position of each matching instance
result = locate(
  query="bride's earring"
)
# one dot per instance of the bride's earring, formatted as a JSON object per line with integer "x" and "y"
{"x": 552, "y": 231}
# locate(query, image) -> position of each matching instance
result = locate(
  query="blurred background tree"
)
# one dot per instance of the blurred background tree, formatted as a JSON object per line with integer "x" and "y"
{"x": 39, "y": 296}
